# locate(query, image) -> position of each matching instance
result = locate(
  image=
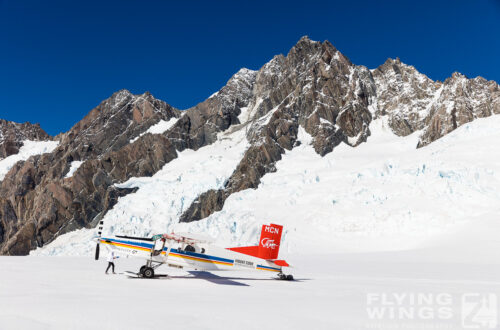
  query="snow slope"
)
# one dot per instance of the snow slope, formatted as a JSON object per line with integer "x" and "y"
{"x": 382, "y": 195}
{"x": 159, "y": 128}
{"x": 29, "y": 148}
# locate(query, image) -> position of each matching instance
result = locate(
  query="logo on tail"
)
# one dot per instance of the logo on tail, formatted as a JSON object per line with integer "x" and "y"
{"x": 268, "y": 243}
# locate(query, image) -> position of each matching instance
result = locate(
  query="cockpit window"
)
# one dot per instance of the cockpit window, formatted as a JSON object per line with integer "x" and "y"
{"x": 189, "y": 248}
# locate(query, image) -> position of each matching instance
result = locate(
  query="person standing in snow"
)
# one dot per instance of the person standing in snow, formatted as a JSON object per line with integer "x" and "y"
{"x": 111, "y": 259}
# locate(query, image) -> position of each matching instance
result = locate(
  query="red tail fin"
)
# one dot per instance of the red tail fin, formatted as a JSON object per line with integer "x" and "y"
{"x": 269, "y": 243}
{"x": 270, "y": 239}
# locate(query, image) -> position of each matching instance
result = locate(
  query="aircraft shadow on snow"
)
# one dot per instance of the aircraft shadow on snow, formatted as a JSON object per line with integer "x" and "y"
{"x": 222, "y": 280}
{"x": 216, "y": 279}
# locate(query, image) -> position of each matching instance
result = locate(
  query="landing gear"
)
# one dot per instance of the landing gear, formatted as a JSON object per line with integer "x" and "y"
{"x": 284, "y": 277}
{"x": 148, "y": 272}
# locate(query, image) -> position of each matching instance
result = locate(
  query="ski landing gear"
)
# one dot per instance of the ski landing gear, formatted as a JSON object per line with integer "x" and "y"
{"x": 284, "y": 277}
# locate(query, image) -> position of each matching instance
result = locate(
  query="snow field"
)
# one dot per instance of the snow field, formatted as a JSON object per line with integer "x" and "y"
{"x": 330, "y": 291}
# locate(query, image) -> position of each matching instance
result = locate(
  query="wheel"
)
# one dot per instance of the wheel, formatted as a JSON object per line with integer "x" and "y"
{"x": 289, "y": 278}
{"x": 282, "y": 276}
{"x": 148, "y": 272}
{"x": 141, "y": 271}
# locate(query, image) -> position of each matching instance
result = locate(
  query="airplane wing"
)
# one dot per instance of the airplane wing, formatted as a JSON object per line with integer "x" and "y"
{"x": 186, "y": 237}
{"x": 197, "y": 237}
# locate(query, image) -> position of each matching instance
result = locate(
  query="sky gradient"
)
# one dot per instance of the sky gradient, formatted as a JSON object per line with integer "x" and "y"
{"x": 60, "y": 59}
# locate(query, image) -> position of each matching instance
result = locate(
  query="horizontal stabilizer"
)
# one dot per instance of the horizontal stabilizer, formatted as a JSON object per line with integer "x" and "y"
{"x": 248, "y": 250}
{"x": 281, "y": 263}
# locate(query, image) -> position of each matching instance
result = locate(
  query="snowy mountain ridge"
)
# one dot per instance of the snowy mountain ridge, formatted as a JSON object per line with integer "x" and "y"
{"x": 310, "y": 106}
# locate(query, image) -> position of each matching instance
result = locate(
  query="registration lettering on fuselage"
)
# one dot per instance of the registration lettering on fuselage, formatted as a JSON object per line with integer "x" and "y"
{"x": 243, "y": 263}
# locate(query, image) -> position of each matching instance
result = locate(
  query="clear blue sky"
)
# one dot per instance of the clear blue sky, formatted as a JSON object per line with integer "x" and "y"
{"x": 59, "y": 59}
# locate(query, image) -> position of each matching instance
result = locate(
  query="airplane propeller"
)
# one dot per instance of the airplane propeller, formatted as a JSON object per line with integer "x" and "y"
{"x": 97, "y": 251}
{"x": 98, "y": 239}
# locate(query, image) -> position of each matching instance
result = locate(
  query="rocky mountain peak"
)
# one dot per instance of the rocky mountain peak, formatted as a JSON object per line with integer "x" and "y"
{"x": 404, "y": 95}
{"x": 13, "y": 134}
{"x": 115, "y": 121}
{"x": 459, "y": 101}
{"x": 240, "y": 83}
{"x": 457, "y": 76}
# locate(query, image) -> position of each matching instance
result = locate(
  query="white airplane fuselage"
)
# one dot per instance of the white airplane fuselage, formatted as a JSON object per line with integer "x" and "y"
{"x": 199, "y": 256}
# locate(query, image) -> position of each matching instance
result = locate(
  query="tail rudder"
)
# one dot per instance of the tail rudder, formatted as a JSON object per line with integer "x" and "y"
{"x": 270, "y": 240}
{"x": 269, "y": 243}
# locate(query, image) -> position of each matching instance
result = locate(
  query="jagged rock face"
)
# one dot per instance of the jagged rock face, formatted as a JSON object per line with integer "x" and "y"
{"x": 199, "y": 125}
{"x": 314, "y": 87}
{"x": 115, "y": 122}
{"x": 459, "y": 101}
{"x": 413, "y": 102}
{"x": 13, "y": 134}
{"x": 327, "y": 94}
{"x": 404, "y": 95}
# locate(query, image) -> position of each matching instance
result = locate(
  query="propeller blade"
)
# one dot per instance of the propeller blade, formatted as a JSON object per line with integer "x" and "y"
{"x": 97, "y": 252}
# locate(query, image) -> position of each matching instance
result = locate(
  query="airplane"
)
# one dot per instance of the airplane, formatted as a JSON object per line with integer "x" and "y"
{"x": 197, "y": 252}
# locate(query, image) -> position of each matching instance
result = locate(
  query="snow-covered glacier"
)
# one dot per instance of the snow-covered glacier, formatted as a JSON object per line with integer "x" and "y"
{"x": 383, "y": 195}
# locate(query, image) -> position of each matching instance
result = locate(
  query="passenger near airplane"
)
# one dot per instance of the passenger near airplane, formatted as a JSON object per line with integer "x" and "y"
{"x": 196, "y": 252}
